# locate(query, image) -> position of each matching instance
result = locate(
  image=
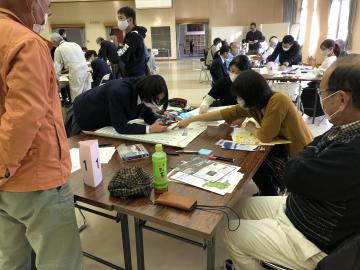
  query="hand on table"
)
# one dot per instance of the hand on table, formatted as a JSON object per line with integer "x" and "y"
{"x": 250, "y": 126}
{"x": 157, "y": 127}
{"x": 282, "y": 68}
{"x": 183, "y": 123}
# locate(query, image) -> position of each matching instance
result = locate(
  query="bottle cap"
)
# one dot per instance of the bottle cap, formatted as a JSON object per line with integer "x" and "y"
{"x": 158, "y": 147}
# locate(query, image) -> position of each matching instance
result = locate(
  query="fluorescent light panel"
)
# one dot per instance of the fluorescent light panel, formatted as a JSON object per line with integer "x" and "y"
{"x": 143, "y": 4}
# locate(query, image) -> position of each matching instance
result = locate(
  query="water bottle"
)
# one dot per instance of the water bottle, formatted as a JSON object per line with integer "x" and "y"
{"x": 159, "y": 161}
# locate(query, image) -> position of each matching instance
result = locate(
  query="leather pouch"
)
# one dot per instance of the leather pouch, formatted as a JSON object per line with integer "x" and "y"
{"x": 176, "y": 201}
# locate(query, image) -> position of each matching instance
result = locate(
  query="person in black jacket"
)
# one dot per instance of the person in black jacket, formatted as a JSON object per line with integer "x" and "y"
{"x": 220, "y": 94}
{"x": 99, "y": 68}
{"x": 218, "y": 67}
{"x": 107, "y": 51}
{"x": 288, "y": 51}
{"x": 120, "y": 101}
{"x": 132, "y": 53}
{"x": 322, "y": 209}
{"x": 254, "y": 37}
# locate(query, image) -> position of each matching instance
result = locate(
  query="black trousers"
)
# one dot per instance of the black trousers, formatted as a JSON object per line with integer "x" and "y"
{"x": 269, "y": 176}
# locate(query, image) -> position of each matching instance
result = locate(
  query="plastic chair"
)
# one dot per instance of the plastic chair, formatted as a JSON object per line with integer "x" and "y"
{"x": 345, "y": 257}
{"x": 291, "y": 89}
{"x": 204, "y": 70}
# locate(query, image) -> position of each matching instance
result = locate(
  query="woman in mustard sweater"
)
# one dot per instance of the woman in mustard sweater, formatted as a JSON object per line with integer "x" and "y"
{"x": 277, "y": 116}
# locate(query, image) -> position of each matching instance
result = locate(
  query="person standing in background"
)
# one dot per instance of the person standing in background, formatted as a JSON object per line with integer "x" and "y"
{"x": 62, "y": 33}
{"x": 153, "y": 68}
{"x": 254, "y": 37}
{"x": 192, "y": 45}
{"x": 108, "y": 52}
{"x": 36, "y": 203}
{"x": 132, "y": 53}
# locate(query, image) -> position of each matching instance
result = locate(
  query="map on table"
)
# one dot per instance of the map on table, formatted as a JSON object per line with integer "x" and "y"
{"x": 177, "y": 137}
{"x": 213, "y": 176}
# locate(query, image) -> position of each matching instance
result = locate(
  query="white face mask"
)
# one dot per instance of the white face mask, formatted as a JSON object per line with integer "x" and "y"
{"x": 327, "y": 116}
{"x": 324, "y": 52}
{"x": 153, "y": 106}
{"x": 123, "y": 25}
{"x": 38, "y": 28}
{"x": 241, "y": 102}
{"x": 285, "y": 49}
{"x": 233, "y": 76}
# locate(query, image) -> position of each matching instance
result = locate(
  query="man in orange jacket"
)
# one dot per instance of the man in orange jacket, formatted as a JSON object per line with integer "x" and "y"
{"x": 36, "y": 203}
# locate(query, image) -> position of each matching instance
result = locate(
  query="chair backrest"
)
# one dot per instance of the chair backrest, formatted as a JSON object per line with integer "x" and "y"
{"x": 291, "y": 89}
{"x": 345, "y": 257}
{"x": 105, "y": 78}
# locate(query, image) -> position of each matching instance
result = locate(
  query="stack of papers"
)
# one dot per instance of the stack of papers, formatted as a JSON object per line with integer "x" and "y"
{"x": 105, "y": 155}
{"x": 244, "y": 137}
{"x": 206, "y": 174}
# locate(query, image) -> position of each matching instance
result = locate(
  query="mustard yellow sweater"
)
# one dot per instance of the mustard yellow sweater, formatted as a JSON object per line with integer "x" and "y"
{"x": 279, "y": 118}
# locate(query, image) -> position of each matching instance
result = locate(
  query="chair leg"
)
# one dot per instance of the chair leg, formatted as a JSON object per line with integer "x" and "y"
{"x": 33, "y": 260}
{"x": 84, "y": 223}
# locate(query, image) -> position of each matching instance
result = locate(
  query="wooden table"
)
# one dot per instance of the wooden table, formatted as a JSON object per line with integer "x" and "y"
{"x": 297, "y": 78}
{"x": 198, "y": 223}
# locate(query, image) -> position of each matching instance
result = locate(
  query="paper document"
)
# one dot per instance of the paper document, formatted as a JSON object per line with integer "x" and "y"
{"x": 172, "y": 137}
{"x": 206, "y": 174}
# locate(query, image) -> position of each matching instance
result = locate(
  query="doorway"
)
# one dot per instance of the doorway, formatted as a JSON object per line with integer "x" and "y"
{"x": 194, "y": 32}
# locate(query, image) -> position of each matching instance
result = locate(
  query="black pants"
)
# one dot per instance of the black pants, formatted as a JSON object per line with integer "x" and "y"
{"x": 269, "y": 177}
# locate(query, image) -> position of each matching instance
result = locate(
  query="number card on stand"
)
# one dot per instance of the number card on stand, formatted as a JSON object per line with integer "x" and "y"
{"x": 90, "y": 163}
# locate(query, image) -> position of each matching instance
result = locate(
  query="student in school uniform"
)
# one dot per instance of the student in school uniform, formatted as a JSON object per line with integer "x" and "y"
{"x": 120, "y": 101}
{"x": 218, "y": 67}
{"x": 277, "y": 116}
{"x": 220, "y": 94}
{"x": 99, "y": 68}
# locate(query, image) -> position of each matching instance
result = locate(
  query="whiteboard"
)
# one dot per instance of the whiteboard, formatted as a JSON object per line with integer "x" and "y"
{"x": 230, "y": 33}
{"x": 275, "y": 29}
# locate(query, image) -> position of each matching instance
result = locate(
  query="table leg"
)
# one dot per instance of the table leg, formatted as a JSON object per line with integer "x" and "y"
{"x": 126, "y": 241}
{"x": 210, "y": 245}
{"x": 315, "y": 104}
{"x": 139, "y": 243}
{"x": 32, "y": 260}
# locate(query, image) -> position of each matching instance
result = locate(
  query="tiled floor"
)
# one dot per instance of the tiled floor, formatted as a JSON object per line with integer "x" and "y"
{"x": 103, "y": 237}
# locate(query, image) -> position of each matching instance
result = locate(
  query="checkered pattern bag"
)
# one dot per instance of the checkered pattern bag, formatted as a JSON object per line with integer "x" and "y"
{"x": 129, "y": 183}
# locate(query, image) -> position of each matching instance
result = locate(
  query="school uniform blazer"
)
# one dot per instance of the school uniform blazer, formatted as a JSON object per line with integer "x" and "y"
{"x": 112, "y": 104}
{"x": 218, "y": 69}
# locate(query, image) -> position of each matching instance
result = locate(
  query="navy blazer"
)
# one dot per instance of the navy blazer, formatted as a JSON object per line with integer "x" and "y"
{"x": 112, "y": 104}
{"x": 99, "y": 70}
{"x": 218, "y": 69}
